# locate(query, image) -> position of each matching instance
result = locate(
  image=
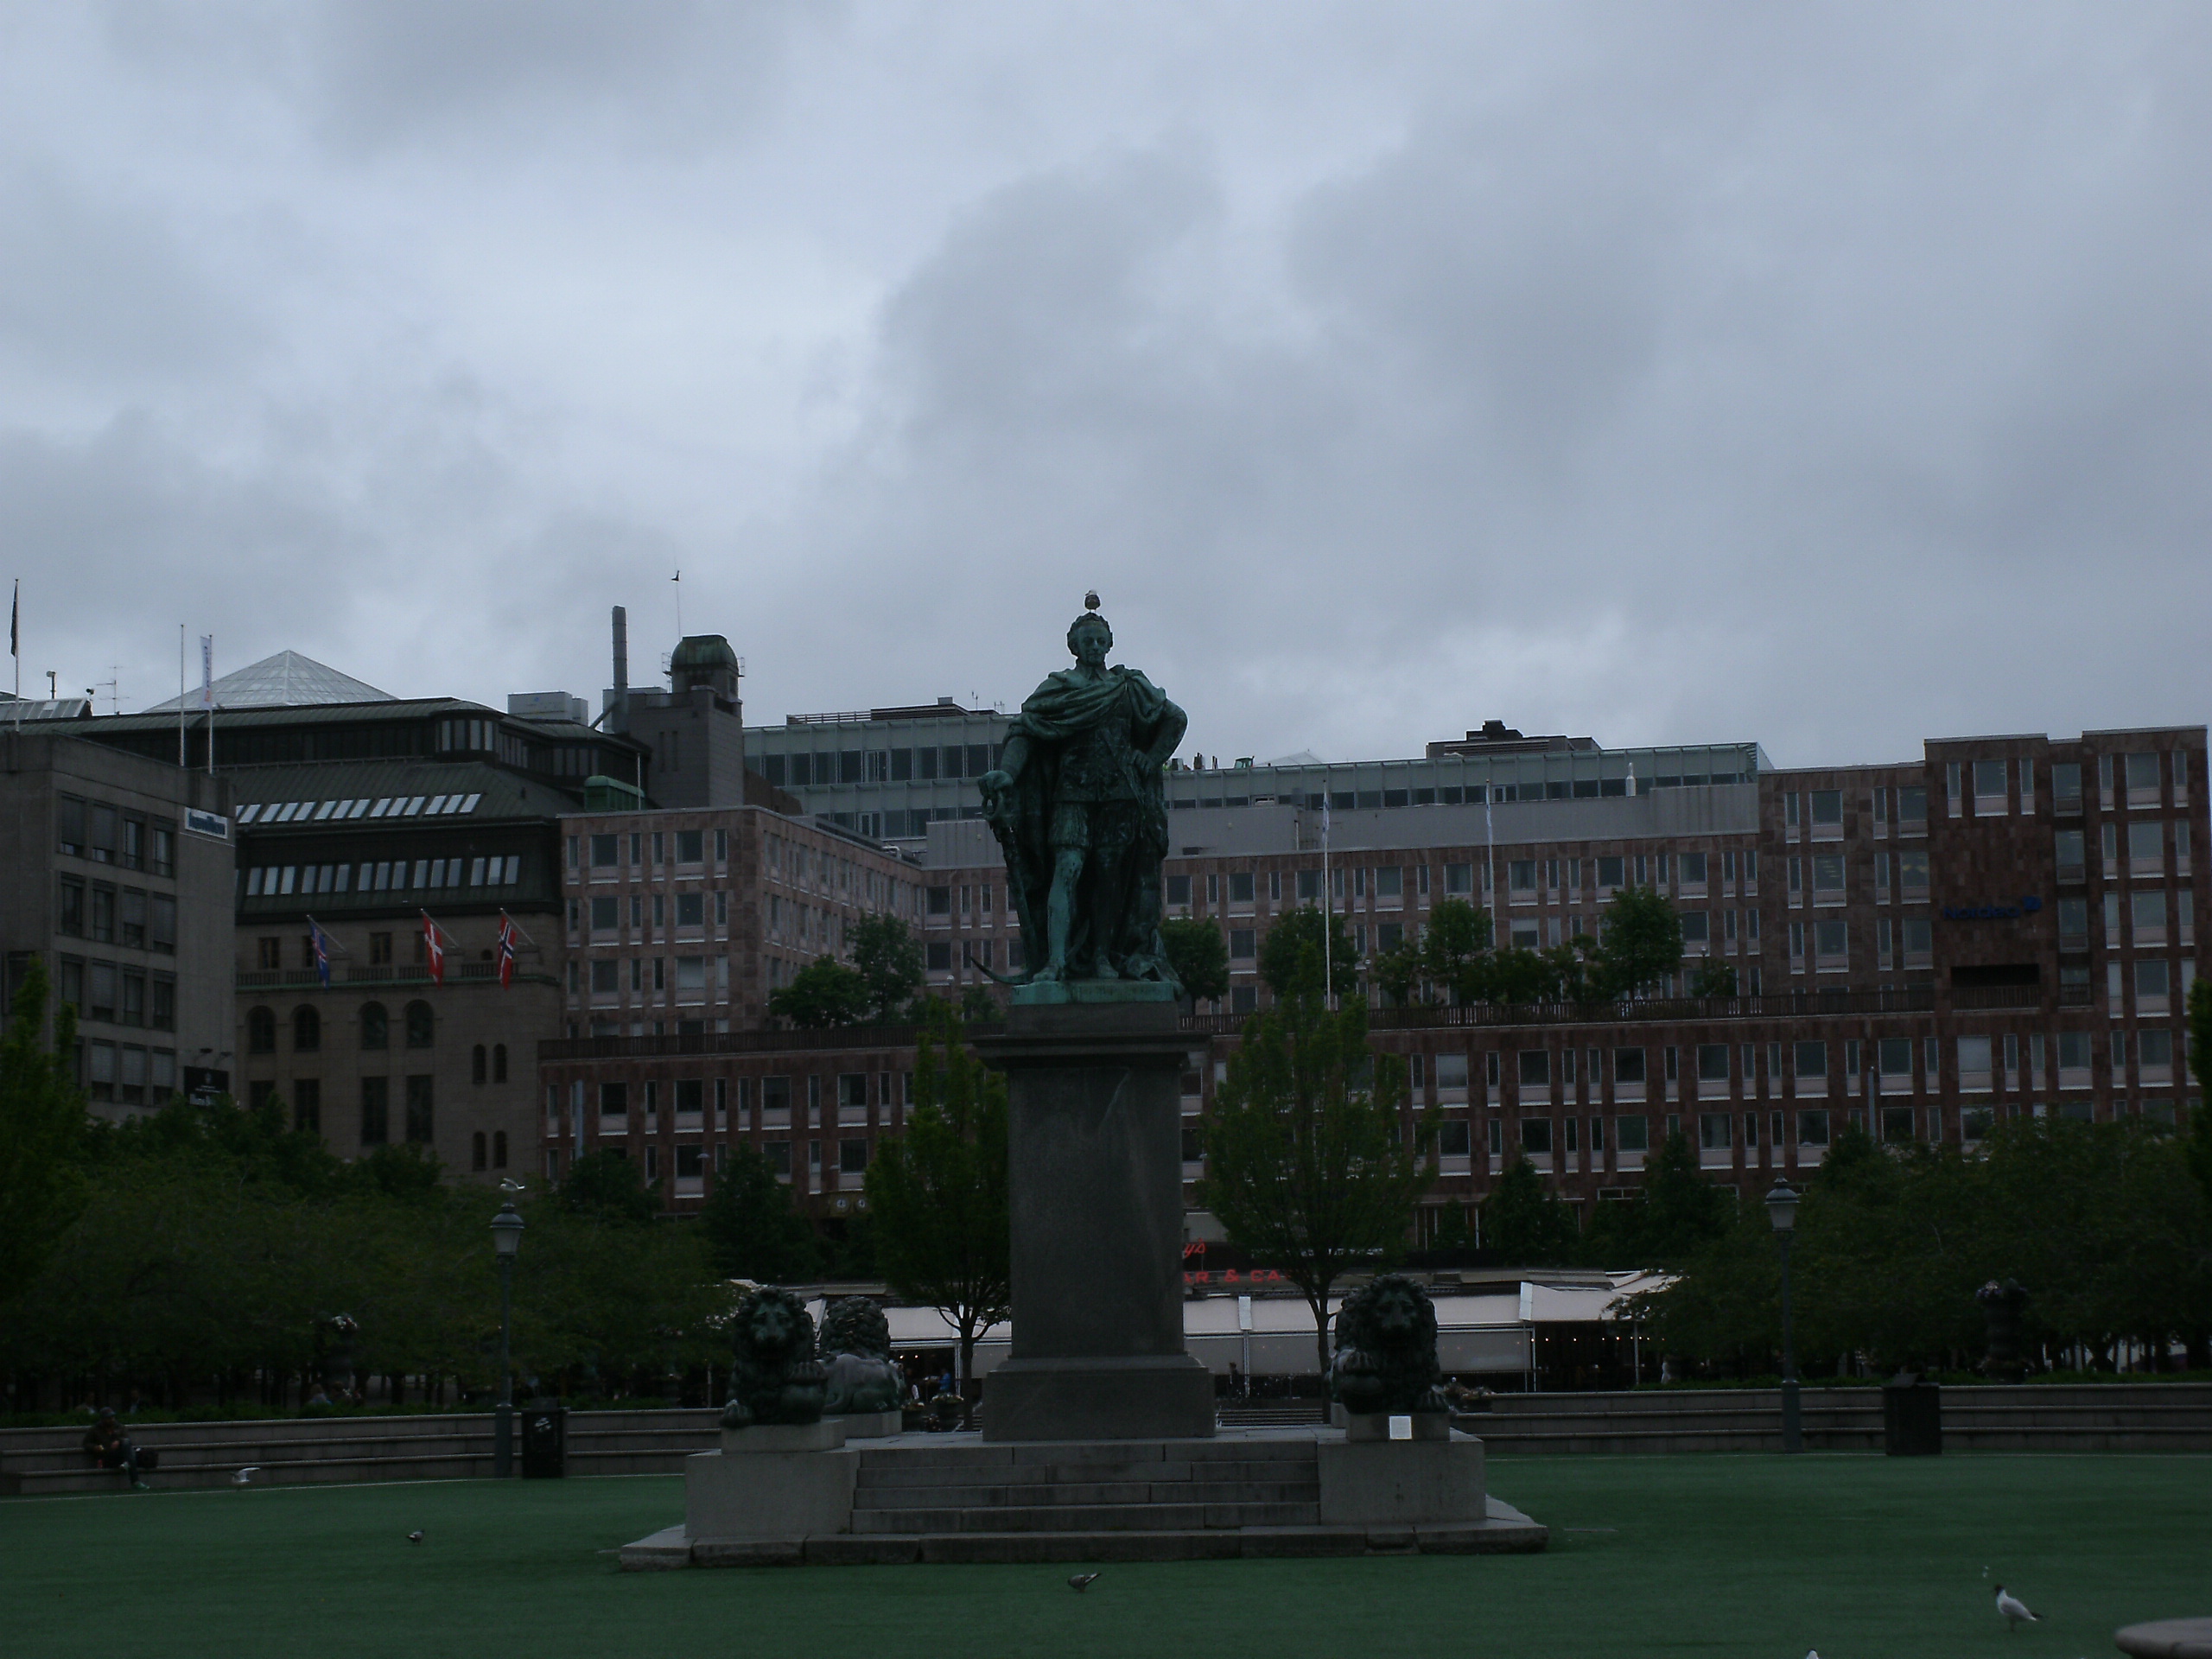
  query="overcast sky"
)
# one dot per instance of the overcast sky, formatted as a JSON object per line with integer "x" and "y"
{"x": 1834, "y": 377}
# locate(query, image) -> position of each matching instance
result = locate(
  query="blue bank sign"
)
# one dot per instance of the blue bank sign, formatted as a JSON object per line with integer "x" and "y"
{"x": 2026, "y": 907}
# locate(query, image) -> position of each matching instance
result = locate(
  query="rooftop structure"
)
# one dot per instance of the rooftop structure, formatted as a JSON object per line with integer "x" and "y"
{"x": 287, "y": 680}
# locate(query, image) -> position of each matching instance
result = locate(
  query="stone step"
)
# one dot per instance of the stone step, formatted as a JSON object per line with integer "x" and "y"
{"x": 886, "y": 1472}
{"x": 1179, "y": 1491}
{"x": 1114, "y": 1517}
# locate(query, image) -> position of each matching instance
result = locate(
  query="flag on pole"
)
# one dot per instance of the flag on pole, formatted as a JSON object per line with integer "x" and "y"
{"x": 16, "y": 623}
{"x": 319, "y": 943}
{"x": 206, "y": 671}
{"x": 506, "y": 949}
{"x": 433, "y": 948}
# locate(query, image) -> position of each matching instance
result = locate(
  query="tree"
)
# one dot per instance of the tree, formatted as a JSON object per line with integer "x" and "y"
{"x": 1455, "y": 949}
{"x": 888, "y": 959}
{"x": 1399, "y": 971}
{"x": 979, "y": 1006}
{"x": 750, "y": 1228}
{"x": 1284, "y": 956}
{"x": 1306, "y": 1164}
{"x": 1681, "y": 1211}
{"x": 1199, "y": 956}
{"x": 1640, "y": 943}
{"x": 1516, "y": 975}
{"x": 824, "y": 992}
{"x": 2200, "y": 1063}
{"x": 939, "y": 1191}
{"x": 1713, "y": 978}
{"x": 607, "y": 1186}
{"x": 42, "y": 1133}
{"x": 1523, "y": 1223}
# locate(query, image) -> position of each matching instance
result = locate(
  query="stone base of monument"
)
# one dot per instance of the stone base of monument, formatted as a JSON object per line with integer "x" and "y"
{"x": 1165, "y": 1396}
{"x": 870, "y": 1425}
{"x": 956, "y": 1497}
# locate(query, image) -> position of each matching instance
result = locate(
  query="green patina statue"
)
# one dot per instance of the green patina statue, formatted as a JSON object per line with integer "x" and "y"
{"x": 1079, "y": 806}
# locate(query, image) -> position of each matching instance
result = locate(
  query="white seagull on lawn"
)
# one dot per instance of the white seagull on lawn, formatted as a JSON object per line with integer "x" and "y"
{"x": 2014, "y": 1609}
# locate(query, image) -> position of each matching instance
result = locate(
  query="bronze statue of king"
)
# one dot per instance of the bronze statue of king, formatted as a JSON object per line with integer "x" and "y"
{"x": 1077, "y": 804}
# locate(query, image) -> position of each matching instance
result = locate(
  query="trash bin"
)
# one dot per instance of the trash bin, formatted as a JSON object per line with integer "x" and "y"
{"x": 544, "y": 1441}
{"x": 1912, "y": 1416}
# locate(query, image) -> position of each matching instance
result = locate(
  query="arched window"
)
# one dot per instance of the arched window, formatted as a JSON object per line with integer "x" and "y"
{"x": 499, "y": 1061}
{"x": 476, "y": 1066}
{"x": 307, "y": 1029}
{"x": 476, "y": 1150}
{"x": 376, "y": 1025}
{"x": 499, "y": 1148}
{"x": 422, "y": 1026}
{"x": 261, "y": 1031}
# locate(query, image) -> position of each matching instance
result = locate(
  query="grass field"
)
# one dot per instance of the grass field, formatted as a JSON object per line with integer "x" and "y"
{"x": 1856, "y": 1556}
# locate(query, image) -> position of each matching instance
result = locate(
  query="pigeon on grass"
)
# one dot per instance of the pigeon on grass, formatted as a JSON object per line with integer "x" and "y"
{"x": 2014, "y": 1609}
{"x": 416, "y": 1536}
{"x": 1081, "y": 1582}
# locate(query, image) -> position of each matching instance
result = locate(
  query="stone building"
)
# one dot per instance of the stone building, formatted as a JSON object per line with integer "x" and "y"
{"x": 116, "y": 872}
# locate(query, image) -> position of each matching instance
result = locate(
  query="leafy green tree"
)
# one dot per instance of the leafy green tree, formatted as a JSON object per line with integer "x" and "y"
{"x": 1640, "y": 943}
{"x": 888, "y": 959}
{"x": 1524, "y": 1224}
{"x": 1681, "y": 1211}
{"x": 1455, "y": 949}
{"x": 1571, "y": 972}
{"x": 1199, "y": 955}
{"x": 939, "y": 1193}
{"x": 1291, "y": 959}
{"x": 1518, "y": 975}
{"x": 1306, "y": 1164}
{"x": 824, "y": 992}
{"x": 42, "y": 1133}
{"x": 750, "y": 1228}
{"x": 1400, "y": 972}
{"x": 607, "y": 1186}
{"x": 977, "y": 1005}
{"x": 1714, "y": 977}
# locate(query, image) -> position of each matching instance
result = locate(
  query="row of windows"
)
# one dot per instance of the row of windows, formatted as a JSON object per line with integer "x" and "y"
{"x": 418, "y": 1020}
{"x": 117, "y": 995}
{"x": 108, "y": 835}
{"x": 650, "y": 973}
{"x": 690, "y": 847}
{"x": 851, "y": 1092}
{"x": 689, "y": 910}
{"x": 418, "y": 1123}
{"x": 269, "y": 881}
{"x": 126, "y": 916}
{"x": 125, "y": 1074}
{"x": 265, "y": 813}
{"x": 1977, "y": 1056}
{"x": 818, "y": 769}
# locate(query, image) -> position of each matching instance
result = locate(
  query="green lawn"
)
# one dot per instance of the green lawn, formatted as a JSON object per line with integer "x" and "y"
{"x": 1859, "y": 1556}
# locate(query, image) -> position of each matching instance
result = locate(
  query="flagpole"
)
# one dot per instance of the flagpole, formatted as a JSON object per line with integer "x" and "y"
{"x": 1328, "y": 915}
{"x": 181, "y": 761}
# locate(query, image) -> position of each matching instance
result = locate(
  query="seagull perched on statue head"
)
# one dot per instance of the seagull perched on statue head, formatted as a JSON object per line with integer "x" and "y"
{"x": 2014, "y": 1609}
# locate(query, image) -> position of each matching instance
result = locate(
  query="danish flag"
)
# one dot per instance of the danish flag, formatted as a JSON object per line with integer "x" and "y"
{"x": 433, "y": 948}
{"x": 506, "y": 949}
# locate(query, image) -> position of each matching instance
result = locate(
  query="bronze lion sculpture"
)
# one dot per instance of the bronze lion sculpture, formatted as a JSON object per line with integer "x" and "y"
{"x": 856, "y": 1354}
{"x": 776, "y": 1378}
{"x": 1386, "y": 1350}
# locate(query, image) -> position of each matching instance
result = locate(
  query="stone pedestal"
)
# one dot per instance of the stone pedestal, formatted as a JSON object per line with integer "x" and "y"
{"x": 1096, "y": 1172}
{"x": 1401, "y": 1483}
{"x": 761, "y": 1495}
{"x": 869, "y": 1425}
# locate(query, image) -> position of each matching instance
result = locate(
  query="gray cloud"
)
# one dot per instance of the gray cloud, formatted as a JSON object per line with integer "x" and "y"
{"x": 1832, "y": 377}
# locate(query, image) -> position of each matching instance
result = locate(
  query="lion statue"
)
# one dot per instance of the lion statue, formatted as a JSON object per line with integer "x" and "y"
{"x": 1386, "y": 1350}
{"x": 857, "y": 1353}
{"x": 776, "y": 1378}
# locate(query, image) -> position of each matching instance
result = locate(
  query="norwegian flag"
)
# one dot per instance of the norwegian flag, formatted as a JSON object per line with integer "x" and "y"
{"x": 506, "y": 949}
{"x": 434, "y": 947}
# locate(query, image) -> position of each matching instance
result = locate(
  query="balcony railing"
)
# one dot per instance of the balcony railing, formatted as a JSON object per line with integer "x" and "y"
{"x": 304, "y": 979}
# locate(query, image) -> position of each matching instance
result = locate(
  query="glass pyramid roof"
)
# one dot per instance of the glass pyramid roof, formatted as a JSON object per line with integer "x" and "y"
{"x": 287, "y": 680}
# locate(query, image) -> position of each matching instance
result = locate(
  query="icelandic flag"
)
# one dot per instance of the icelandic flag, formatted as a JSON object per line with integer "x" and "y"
{"x": 433, "y": 948}
{"x": 506, "y": 949}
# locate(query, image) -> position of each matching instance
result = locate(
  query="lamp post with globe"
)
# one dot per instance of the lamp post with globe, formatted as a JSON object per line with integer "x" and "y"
{"x": 507, "y": 1238}
{"x": 1782, "y": 1211}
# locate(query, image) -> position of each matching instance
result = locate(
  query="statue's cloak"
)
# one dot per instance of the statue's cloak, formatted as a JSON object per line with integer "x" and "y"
{"x": 1066, "y": 706}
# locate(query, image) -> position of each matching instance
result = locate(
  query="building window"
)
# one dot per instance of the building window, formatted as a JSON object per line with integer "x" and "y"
{"x": 478, "y": 1151}
{"x": 479, "y": 1067}
{"x": 1536, "y": 1068}
{"x": 499, "y": 1061}
{"x": 1714, "y": 1131}
{"x": 307, "y": 1029}
{"x": 422, "y": 1026}
{"x": 376, "y": 1111}
{"x": 499, "y": 1148}
{"x": 1536, "y": 1135}
{"x": 420, "y": 1127}
{"x": 261, "y": 1031}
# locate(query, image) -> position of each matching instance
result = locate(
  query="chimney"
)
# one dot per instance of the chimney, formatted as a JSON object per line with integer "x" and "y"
{"x": 615, "y": 711}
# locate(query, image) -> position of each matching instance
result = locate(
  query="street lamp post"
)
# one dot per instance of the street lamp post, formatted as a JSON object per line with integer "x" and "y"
{"x": 1782, "y": 1211}
{"x": 506, "y": 1235}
